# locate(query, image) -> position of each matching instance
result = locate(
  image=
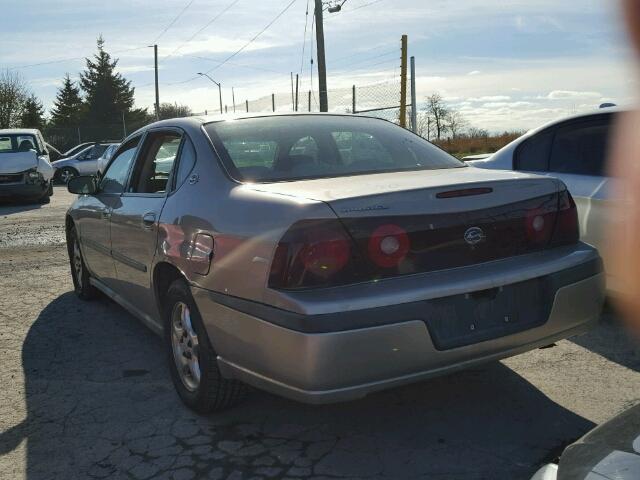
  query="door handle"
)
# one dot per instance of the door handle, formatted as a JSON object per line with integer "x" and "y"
{"x": 149, "y": 220}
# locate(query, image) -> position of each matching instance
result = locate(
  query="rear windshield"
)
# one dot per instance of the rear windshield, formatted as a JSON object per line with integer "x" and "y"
{"x": 17, "y": 143}
{"x": 304, "y": 147}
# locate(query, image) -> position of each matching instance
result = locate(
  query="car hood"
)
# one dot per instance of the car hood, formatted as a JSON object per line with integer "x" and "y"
{"x": 609, "y": 452}
{"x": 18, "y": 162}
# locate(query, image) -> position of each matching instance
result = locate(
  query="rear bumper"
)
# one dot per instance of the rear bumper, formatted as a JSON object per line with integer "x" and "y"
{"x": 342, "y": 365}
{"x": 23, "y": 190}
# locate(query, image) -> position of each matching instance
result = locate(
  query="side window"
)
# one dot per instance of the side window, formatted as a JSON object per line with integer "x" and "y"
{"x": 115, "y": 177}
{"x": 533, "y": 154}
{"x": 186, "y": 162}
{"x": 154, "y": 166}
{"x": 580, "y": 148}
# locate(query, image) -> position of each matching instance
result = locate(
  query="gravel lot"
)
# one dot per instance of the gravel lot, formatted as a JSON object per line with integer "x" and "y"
{"x": 86, "y": 394}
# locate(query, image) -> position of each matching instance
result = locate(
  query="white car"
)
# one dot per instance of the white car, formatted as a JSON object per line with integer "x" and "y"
{"x": 573, "y": 149}
{"x": 25, "y": 170}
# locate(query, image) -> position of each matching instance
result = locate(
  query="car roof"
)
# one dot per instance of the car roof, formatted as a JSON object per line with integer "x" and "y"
{"x": 577, "y": 116}
{"x": 199, "y": 120}
{"x": 19, "y": 131}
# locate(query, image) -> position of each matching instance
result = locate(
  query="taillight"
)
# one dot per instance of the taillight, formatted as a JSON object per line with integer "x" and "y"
{"x": 567, "y": 230}
{"x": 314, "y": 253}
{"x": 388, "y": 245}
{"x": 539, "y": 224}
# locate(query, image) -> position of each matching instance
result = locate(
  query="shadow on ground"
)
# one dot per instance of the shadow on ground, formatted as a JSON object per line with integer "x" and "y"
{"x": 100, "y": 404}
{"x": 612, "y": 341}
{"x": 12, "y": 207}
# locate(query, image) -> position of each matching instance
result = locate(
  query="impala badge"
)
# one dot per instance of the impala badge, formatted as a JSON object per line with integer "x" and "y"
{"x": 474, "y": 236}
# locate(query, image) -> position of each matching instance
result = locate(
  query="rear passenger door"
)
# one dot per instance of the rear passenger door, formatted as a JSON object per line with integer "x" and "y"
{"x": 134, "y": 223}
{"x": 575, "y": 152}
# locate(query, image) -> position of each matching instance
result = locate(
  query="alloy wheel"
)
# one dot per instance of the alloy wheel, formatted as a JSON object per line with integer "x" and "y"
{"x": 77, "y": 263}
{"x": 184, "y": 341}
{"x": 66, "y": 175}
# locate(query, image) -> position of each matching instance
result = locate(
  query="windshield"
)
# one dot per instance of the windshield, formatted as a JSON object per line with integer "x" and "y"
{"x": 17, "y": 143}
{"x": 312, "y": 146}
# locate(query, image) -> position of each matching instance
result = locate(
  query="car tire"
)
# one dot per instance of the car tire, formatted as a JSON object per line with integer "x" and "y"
{"x": 46, "y": 198}
{"x": 192, "y": 359}
{"x": 65, "y": 174}
{"x": 79, "y": 273}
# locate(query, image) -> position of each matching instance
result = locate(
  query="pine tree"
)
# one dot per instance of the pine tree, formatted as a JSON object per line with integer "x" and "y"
{"x": 32, "y": 113}
{"x": 67, "y": 107}
{"x": 107, "y": 94}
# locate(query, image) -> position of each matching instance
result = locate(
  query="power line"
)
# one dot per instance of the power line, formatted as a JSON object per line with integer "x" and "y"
{"x": 363, "y": 60}
{"x": 362, "y": 6}
{"x": 255, "y": 37}
{"x": 71, "y": 59}
{"x": 207, "y": 25}
{"x": 173, "y": 21}
{"x": 304, "y": 37}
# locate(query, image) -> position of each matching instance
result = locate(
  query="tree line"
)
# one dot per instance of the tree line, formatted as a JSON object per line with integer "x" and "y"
{"x": 101, "y": 104}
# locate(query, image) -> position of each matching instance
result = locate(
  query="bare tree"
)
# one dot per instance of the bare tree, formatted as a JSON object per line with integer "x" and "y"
{"x": 425, "y": 126}
{"x": 438, "y": 111}
{"x": 13, "y": 94}
{"x": 173, "y": 110}
{"x": 455, "y": 123}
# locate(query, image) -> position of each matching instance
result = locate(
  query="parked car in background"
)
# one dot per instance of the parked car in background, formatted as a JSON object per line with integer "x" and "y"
{"x": 611, "y": 451}
{"x": 103, "y": 161}
{"x": 573, "y": 149}
{"x": 77, "y": 149}
{"x": 84, "y": 162}
{"x": 479, "y": 156}
{"x": 325, "y": 257}
{"x": 25, "y": 171}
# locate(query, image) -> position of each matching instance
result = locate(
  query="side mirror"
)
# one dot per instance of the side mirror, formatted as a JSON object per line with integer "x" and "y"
{"x": 84, "y": 185}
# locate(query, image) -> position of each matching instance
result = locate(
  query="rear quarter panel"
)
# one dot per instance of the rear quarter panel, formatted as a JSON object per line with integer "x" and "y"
{"x": 246, "y": 226}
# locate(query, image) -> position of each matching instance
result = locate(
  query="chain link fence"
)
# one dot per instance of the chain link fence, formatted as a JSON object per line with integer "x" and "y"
{"x": 381, "y": 99}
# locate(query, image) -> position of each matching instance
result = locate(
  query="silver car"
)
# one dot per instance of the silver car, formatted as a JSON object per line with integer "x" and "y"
{"x": 325, "y": 257}
{"x": 85, "y": 162}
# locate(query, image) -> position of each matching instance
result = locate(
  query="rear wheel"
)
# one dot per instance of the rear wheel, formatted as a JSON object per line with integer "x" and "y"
{"x": 79, "y": 273}
{"x": 192, "y": 359}
{"x": 46, "y": 198}
{"x": 67, "y": 173}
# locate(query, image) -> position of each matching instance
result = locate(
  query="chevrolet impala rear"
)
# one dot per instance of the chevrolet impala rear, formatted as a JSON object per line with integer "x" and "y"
{"x": 368, "y": 258}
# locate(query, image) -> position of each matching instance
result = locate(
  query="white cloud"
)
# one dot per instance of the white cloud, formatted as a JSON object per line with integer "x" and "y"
{"x": 474, "y": 72}
{"x": 490, "y": 98}
{"x": 571, "y": 95}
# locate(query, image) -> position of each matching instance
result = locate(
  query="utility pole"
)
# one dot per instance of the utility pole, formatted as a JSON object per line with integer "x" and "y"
{"x": 322, "y": 61}
{"x": 155, "y": 60}
{"x": 297, "y": 91}
{"x": 403, "y": 83}
{"x": 414, "y": 101}
{"x": 233, "y": 98}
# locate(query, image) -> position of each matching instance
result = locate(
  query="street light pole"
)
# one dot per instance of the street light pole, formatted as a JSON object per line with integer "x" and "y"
{"x": 219, "y": 88}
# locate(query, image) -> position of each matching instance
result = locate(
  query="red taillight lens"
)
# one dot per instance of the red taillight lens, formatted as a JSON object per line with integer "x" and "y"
{"x": 388, "y": 245}
{"x": 314, "y": 253}
{"x": 539, "y": 225}
{"x": 567, "y": 230}
{"x": 326, "y": 254}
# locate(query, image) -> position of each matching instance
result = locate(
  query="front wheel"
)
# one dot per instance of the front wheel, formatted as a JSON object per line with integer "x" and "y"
{"x": 67, "y": 173}
{"x": 192, "y": 359}
{"x": 79, "y": 273}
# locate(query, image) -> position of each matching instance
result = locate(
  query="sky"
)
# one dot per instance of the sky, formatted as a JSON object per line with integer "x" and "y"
{"x": 504, "y": 64}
